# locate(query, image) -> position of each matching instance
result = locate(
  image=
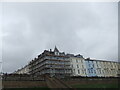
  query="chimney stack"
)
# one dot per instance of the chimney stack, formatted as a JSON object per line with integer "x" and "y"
{"x": 50, "y": 50}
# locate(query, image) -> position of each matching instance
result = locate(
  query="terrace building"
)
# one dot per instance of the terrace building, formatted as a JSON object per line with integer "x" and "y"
{"x": 56, "y": 63}
{"x": 90, "y": 68}
{"x": 24, "y": 70}
{"x": 100, "y": 68}
{"x": 78, "y": 66}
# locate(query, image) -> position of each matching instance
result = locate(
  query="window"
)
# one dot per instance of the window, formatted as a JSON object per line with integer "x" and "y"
{"x": 83, "y": 71}
{"x": 76, "y": 61}
{"x": 103, "y": 71}
{"x": 78, "y": 71}
{"x": 89, "y": 70}
{"x": 81, "y": 61}
{"x": 94, "y": 71}
{"x": 89, "y": 65}
{"x": 100, "y": 71}
{"x": 82, "y": 66}
{"x": 74, "y": 70}
{"x": 77, "y": 66}
{"x": 72, "y": 66}
{"x": 97, "y": 65}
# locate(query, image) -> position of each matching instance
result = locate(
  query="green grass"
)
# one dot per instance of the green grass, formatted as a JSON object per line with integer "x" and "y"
{"x": 95, "y": 86}
{"x": 74, "y": 86}
{"x": 35, "y": 88}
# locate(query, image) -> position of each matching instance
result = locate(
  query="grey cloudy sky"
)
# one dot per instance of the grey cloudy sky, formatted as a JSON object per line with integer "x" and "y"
{"x": 90, "y": 29}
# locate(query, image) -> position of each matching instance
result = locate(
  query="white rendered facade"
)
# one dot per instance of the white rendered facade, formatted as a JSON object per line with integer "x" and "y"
{"x": 101, "y": 68}
{"x": 109, "y": 68}
{"x": 97, "y": 66}
{"x": 78, "y": 66}
{"x": 24, "y": 70}
{"x": 106, "y": 68}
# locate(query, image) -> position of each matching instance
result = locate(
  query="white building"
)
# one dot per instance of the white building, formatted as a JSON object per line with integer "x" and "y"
{"x": 98, "y": 68}
{"x": 93, "y": 68}
{"x": 24, "y": 70}
{"x": 106, "y": 68}
{"x": 78, "y": 66}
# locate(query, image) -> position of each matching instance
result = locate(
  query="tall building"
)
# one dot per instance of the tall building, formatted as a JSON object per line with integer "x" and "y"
{"x": 52, "y": 63}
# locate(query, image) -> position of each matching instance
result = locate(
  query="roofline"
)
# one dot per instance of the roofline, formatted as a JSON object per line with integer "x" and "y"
{"x": 100, "y": 60}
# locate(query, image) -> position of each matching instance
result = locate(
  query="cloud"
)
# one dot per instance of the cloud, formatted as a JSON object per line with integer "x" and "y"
{"x": 86, "y": 28}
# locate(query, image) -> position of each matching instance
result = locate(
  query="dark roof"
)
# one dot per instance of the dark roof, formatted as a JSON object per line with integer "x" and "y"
{"x": 55, "y": 49}
{"x": 100, "y": 60}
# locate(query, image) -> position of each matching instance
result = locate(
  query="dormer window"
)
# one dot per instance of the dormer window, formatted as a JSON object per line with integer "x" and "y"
{"x": 56, "y": 51}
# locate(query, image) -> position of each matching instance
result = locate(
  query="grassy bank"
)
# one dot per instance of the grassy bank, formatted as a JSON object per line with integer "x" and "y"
{"x": 95, "y": 86}
{"x": 74, "y": 86}
{"x": 35, "y": 88}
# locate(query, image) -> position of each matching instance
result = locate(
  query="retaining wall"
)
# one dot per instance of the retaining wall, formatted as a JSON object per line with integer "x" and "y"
{"x": 25, "y": 84}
